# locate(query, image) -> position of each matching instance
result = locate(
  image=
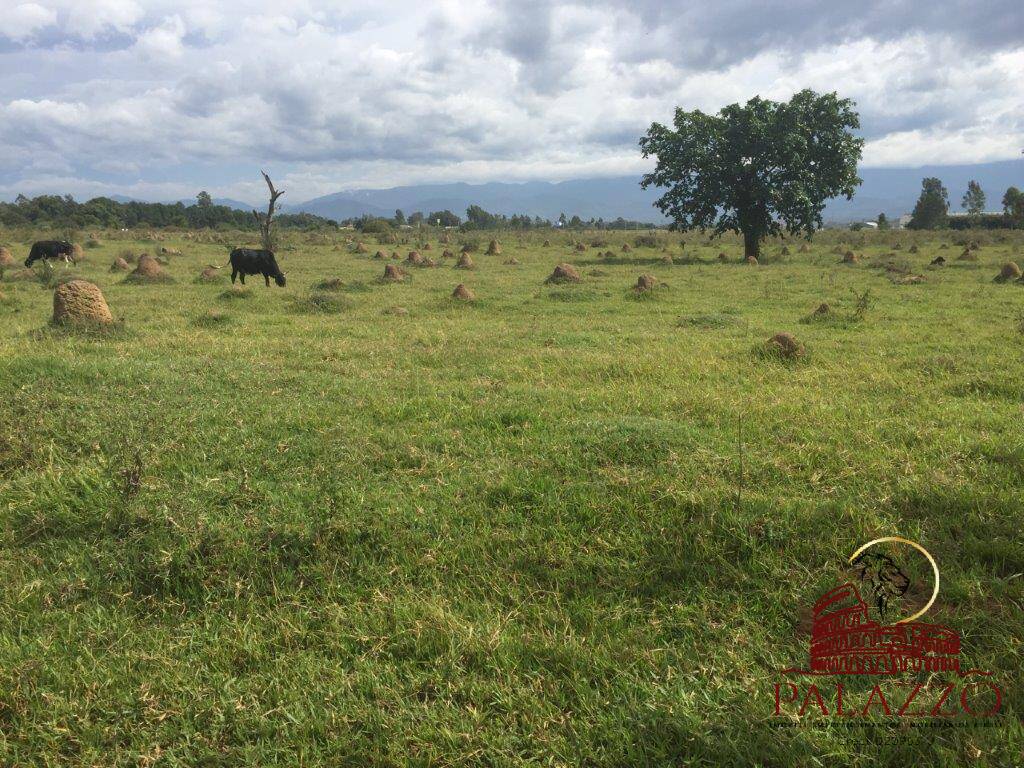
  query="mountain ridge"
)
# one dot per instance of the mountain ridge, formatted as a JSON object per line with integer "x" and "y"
{"x": 892, "y": 191}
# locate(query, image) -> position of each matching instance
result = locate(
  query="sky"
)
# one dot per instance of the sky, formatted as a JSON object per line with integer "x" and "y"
{"x": 158, "y": 99}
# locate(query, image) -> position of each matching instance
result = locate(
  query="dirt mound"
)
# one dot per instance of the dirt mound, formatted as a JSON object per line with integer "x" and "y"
{"x": 6, "y": 257}
{"x": 467, "y": 248}
{"x": 511, "y": 261}
{"x": 938, "y": 261}
{"x": 360, "y": 248}
{"x": 463, "y": 293}
{"x": 77, "y": 254}
{"x": 908, "y": 279}
{"x": 564, "y": 273}
{"x": 722, "y": 257}
{"x": 21, "y": 275}
{"x": 580, "y": 247}
{"x": 850, "y": 258}
{"x": 395, "y": 256}
{"x": 428, "y": 262}
{"x": 426, "y": 247}
{"x": 626, "y": 248}
{"x": 667, "y": 259}
{"x": 823, "y": 310}
{"x": 397, "y": 311}
{"x": 394, "y": 273}
{"x": 805, "y": 248}
{"x": 148, "y": 270}
{"x": 1010, "y": 271}
{"x": 208, "y": 275}
{"x": 170, "y": 251}
{"x": 546, "y": 244}
{"x": 380, "y": 255}
{"x": 784, "y": 345}
{"x": 913, "y": 248}
{"x": 784, "y": 251}
{"x": 967, "y": 255}
{"x": 493, "y": 248}
{"x": 752, "y": 260}
{"x": 414, "y": 258}
{"x": 645, "y": 283}
{"x": 447, "y": 254}
{"x": 120, "y": 265}
{"x": 465, "y": 262}
{"x": 78, "y": 302}
{"x": 330, "y": 284}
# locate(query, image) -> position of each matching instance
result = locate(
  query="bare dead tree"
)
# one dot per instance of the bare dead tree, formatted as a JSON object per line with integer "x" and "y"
{"x": 266, "y": 221}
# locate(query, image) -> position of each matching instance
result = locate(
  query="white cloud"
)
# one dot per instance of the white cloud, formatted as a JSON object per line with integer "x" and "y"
{"x": 162, "y": 42}
{"x": 25, "y": 19}
{"x": 352, "y": 94}
{"x": 88, "y": 18}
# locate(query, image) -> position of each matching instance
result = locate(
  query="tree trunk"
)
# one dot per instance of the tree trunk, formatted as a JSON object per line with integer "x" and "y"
{"x": 266, "y": 222}
{"x": 751, "y": 245}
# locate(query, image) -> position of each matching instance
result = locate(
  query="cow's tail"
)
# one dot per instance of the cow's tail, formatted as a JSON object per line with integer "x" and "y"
{"x": 221, "y": 266}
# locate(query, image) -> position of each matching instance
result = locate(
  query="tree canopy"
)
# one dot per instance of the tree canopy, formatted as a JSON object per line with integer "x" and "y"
{"x": 974, "y": 199}
{"x": 759, "y": 168}
{"x": 64, "y": 212}
{"x": 932, "y": 208}
{"x": 444, "y": 218}
{"x": 1013, "y": 206}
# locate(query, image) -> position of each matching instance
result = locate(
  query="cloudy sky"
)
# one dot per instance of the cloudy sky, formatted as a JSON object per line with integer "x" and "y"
{"x": 159, "y": 98}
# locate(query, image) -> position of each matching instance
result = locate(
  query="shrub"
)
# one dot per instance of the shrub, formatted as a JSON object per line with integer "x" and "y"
{"x": 321, "y": 303}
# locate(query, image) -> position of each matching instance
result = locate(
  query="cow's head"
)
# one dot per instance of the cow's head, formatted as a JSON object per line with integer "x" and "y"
{"x": 279, "y": 279}
{"x": 29, "y": 260}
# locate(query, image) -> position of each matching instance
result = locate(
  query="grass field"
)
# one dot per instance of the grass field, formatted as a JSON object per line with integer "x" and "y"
{"x": 558, "y": 525}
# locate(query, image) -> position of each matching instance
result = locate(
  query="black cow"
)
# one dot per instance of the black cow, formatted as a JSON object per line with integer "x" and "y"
{"x": 251, "y": 261}
{"x": 50, "y": 249}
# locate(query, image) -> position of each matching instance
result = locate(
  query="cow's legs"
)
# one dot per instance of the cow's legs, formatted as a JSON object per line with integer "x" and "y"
{"x": 266, "y": 279}
{"x": 241, "y": 276}
{"x": 234, "y": 274}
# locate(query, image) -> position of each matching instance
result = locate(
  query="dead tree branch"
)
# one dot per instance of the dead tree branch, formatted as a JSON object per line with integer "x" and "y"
{"x": 266, "y": 221}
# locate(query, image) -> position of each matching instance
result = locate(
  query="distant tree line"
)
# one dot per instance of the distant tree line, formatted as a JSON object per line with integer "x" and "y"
{"x": 932, "y": 208}
{"x": 479, "y": 219}
{"x": 65, "y": 212}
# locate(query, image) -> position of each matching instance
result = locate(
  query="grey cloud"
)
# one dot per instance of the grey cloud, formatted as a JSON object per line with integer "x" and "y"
{"x": 520, "y": 86}
{"x": 710, "y": 36}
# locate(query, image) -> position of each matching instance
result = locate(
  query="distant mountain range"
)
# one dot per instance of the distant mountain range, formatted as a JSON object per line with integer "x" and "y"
{"x": 226, "y": 201}
{"x": 606, "y": 198}
{"x": 892, "y": 191}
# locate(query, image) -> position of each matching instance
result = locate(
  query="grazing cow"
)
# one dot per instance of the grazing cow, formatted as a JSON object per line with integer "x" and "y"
{"x": 251, "y": 261}
{"x": 50, "y": 249}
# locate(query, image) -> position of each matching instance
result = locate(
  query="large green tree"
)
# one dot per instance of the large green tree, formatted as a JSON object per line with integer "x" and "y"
{"x": 932, "y": 208}
{"x": 759, "y": 168}
{"x": 974, "y": 199}
{"x": 1013, "y": 206}
{"x": 444, "y": 218}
